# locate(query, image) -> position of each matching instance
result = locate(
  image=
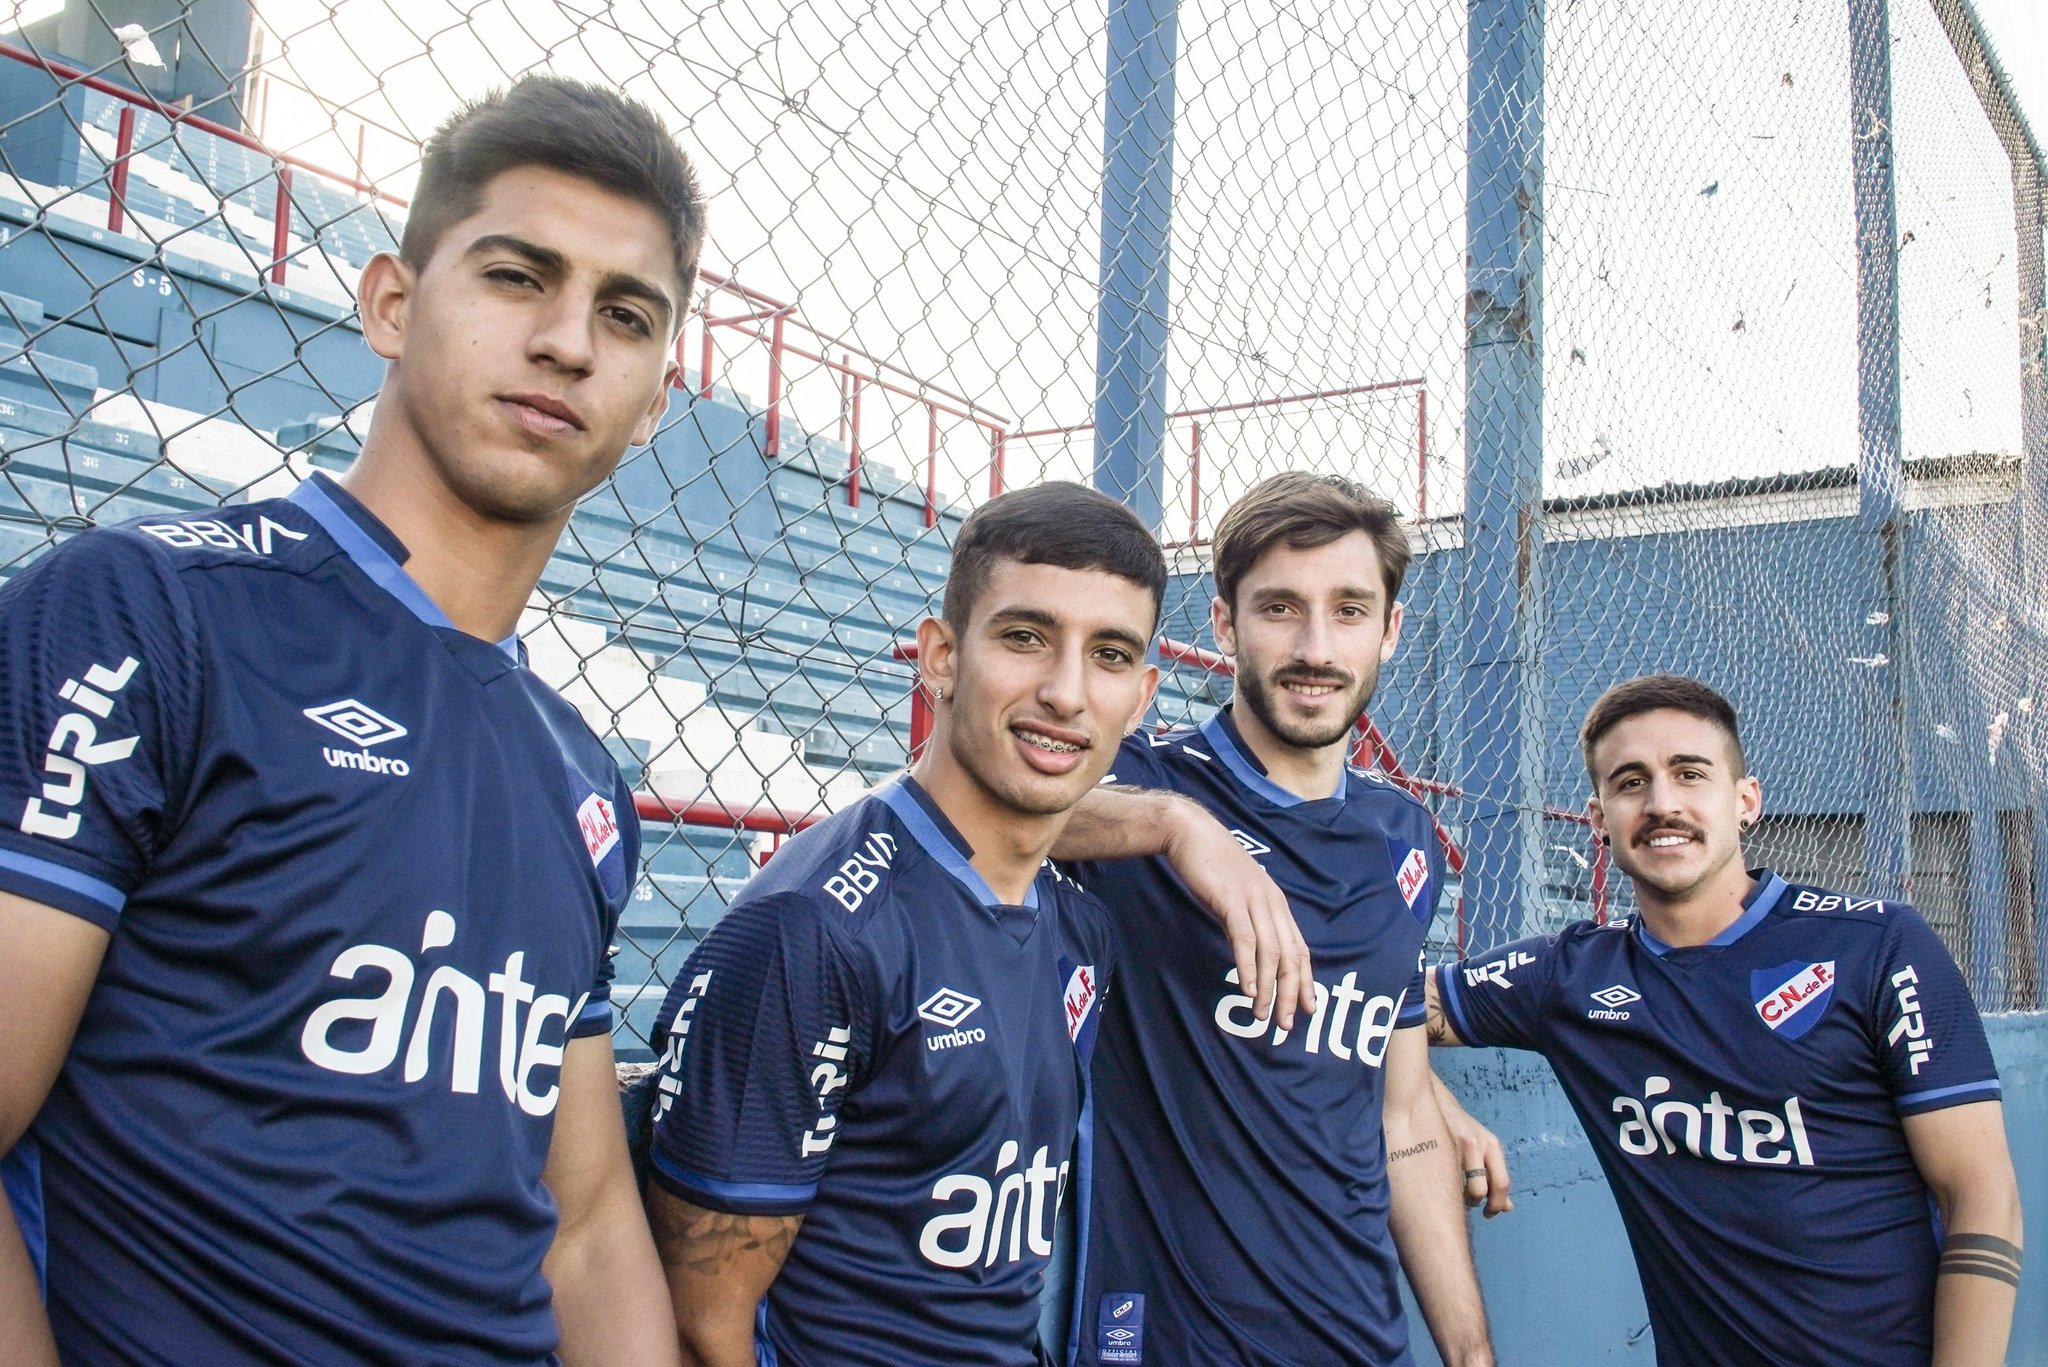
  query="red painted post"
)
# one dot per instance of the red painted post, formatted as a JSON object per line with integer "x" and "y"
{"x": 281, "y": 225}
{"x": 921, "y": 718}
{"x": 995, "y": 462}
{"x": 774, "y": 425}
{"x": 124, "y": 143}
{"x": 710, "y": 356}
{"x": 931, "y": 465}
{"x": 845, "y": 370}
{"x": 1601, "y": 867}
{"x": 1194, "y": 482}
{"x": 1421, "y": 454}
{"x": 853, "y": 452}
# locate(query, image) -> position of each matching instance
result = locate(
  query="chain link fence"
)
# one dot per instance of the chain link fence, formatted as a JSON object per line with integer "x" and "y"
{"x": 1695, "y": 337}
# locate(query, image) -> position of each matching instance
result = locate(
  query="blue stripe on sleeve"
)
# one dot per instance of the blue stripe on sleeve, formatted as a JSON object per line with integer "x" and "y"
{"x": 1447, "y": 993}
{"x": 789, "y": 1199}
{"x": 1987, "y": 1088}
{"x": 69, "y": 879}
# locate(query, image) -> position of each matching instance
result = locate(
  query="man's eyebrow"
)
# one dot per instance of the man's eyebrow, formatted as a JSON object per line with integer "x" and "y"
{"x": 1693, "y": 759}
{"x": 1042, "y": 617}
{"x": 614, "y": 283}
{"x": 1624, "y": 767}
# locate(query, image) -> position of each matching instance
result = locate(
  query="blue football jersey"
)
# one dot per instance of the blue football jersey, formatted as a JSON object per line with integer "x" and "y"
{"x": 1236, "y": 1200}
{"x": 871, "y": 1039}
{"x": 361, "y": 872}
{"x": 1744, "y": 1097}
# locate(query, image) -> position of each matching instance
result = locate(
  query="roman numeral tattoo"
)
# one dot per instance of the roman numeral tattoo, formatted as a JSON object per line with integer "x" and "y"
{"x": 1982, "y": 1255}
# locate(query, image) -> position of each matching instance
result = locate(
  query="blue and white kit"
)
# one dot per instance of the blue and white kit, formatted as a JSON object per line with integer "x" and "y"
{"x": 872, "y": 1039}
{"x": 1745, "y": 1098}
{"x": 1236, "y": 1204}
{"x": 361, "y": 873}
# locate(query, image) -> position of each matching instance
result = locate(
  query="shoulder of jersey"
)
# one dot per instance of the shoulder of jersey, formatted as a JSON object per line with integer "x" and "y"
{"x": 1801, "y": 900}
{"x": 1376, "y": 785}
{"x": 843, "y": 868}
{"x": 271, "y": 534}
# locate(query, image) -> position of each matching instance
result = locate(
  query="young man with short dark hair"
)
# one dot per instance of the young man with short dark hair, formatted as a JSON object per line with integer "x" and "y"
{"x": 1256, "y": 1184}
{"x": 1788, "y": 1088}
{"x": 875, "y": 1064}
{"x": 306, "y": 883}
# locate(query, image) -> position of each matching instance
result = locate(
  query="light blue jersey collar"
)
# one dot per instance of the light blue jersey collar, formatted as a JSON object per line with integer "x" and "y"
{"x": 340, "y": 516}
{"x": 1221, "y": 733}
{"x": 930, "y": 828}
{"x": 1769, "y": 888}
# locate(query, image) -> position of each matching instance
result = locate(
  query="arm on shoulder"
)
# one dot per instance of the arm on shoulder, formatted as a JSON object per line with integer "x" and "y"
{"x": 610, "y": 1301}
{"x": 719, "y": 1266}
{"x": 1962, "y": 1155}
{"x": 49, "y": 960}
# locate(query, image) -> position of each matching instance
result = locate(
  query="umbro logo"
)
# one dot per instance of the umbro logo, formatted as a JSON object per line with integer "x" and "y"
{"x": 366, "y": 726}
{"x": 1252, "y": 847}
{"x": 947, "y": 1008}
{"x": 1610, "y": 1000}
{"x": 359, "y": 722}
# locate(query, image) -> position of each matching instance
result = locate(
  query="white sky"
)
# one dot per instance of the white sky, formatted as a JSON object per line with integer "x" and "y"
{"x": 923, "y": 178}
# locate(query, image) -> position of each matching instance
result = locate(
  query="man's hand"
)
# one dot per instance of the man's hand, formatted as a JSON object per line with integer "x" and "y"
{"x": 1481, "y": 1159}
{"x": 1129, "y": 823}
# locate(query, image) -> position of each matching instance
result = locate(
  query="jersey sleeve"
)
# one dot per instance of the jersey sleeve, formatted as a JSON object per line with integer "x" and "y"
{"x": 1498, "y": 998}
{"x": 768, "y": 1038}
{"x": 596, "y": 1017}
{"x": 1428, "y": 906}
{"x": 1930, "y": 1040}
{"x": 99, "y": 723}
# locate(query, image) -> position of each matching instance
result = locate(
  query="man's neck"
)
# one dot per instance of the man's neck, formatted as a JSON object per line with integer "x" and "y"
{"x": 1309, "y": 774}
{"x": 1008, "y": 846}
{"x": 1696, "y": 916}
{"x": 478, "y": 570}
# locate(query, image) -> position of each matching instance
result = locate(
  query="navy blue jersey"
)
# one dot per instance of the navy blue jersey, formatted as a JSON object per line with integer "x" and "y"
{"x": 1236, "y": 1203}
{"x": 871, "y": 1039}
{"x": 361, "y": 872}
{"x": 1744, "y": 1097}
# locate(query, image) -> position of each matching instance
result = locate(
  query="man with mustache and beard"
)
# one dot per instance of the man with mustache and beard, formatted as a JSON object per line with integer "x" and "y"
{"x": 1249, "y": 1195}
{"x": 1780, "y": 1081}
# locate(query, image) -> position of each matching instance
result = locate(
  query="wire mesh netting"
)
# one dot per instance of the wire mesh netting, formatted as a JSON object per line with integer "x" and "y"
{"x": 1596, "y": 295}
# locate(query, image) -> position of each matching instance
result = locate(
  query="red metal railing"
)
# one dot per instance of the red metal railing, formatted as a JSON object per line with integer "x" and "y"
{"x": 1193, "y": 417}
{"x": 787, "y": 337}
{"x": 124, "y": 150}
{"x": 711, "y": 814}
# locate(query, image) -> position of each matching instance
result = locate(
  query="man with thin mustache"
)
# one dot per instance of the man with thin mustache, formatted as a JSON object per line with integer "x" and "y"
{"x": 1789, "y": 1088}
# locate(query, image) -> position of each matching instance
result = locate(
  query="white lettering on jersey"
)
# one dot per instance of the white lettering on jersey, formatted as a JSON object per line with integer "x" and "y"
{"x": 862, "y": 874}
{"x": 520, "y": 1050}
{"x": 1015, "y": 1206}
{"x": 78, "y": 732}
{"x": 1705, "y": 1130}
{"x": 1368, "y": 1044}
{"x": 671, "y": 1084}
{"x": 1911, "y": 1026}
{"x": 1497, "y": 971}
{"x": 1815, "y": 901}
{"x": 826, "y": 1079}
{"x": 257, "y": 538}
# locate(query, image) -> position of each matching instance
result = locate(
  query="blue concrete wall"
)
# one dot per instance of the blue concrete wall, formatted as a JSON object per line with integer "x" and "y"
{"x": 1561, "y": 1287}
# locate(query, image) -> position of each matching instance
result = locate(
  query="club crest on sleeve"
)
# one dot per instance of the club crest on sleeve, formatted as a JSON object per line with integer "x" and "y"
{"x": 1411, "y": 875}
{"x": 1792, "y": 997}
{"x": 600, "y": 826}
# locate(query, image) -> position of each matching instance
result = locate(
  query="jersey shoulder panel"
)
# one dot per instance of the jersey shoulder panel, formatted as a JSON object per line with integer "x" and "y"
{"x": 847, "y": 867}
{"x": 270, "y": 535}
{"x": 1803, "y": 900}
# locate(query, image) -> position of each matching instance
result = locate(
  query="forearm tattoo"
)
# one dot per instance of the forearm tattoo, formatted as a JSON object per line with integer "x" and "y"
{"x": 707, "y": 1241}
{"x": 1398, "y": 1154}
{"x": 1433, "y": 1023}
{"x": 1982, "y": 1255}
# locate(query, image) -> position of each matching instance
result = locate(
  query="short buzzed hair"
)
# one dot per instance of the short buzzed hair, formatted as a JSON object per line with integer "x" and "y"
{"x": 1057, "y": 523}
{"x": 1304, "y": 511}
{"x": 1657, "y": 693}
{"x": 569, "y": 126}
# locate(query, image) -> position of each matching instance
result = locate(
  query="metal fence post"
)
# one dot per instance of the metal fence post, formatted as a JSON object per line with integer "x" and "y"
{"x": 1500, "y": 687}
{"x": 1137, "y": 232}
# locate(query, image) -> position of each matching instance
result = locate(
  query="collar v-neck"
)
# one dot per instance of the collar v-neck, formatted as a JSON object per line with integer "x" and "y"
{"x": 1220, "y": 730}
{"x": 940, "y": 839}
{"x": 1762, "y": 898}
{"x": 377, "y": 552}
